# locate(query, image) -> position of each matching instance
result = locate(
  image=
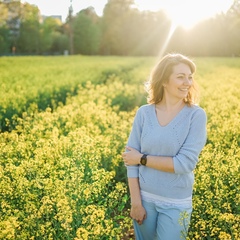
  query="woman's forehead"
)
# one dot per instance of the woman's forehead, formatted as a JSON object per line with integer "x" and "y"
{"x": 181, "y": 68}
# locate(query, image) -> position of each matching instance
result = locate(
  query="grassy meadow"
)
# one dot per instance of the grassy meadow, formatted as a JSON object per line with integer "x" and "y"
{"x": 64, "y": 123}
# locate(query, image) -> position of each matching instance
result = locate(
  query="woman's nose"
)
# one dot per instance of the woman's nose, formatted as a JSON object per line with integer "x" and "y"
{"x": 188, "y": 81}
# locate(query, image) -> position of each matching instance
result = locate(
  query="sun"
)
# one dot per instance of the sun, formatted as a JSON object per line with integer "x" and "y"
{"x": 186, "y": 13}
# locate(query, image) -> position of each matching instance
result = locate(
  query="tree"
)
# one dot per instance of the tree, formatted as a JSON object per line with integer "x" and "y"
{"x": 60, "y": 43}
{"x": 29, "y": 41}
{"x": 233, "y": 16}
{"x": 4, "y": 31}
{"x": 86, "y": 32}
{"x": 127, "y": 31}
{"x": 9, "y": 24}
{"x": 47, "y": 33}
{"x": 114, "y": 26}
{"x": 3, "y": 14}
{"x": 153, "y": 29}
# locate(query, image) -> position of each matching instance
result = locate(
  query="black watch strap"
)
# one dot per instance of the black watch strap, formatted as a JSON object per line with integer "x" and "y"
{"x": 143, "y": 160}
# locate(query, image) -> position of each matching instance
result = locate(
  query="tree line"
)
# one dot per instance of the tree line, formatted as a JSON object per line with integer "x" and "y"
{"x": 121, "y": 30}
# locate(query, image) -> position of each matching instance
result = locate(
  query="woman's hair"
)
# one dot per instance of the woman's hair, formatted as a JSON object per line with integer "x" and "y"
{"x": 161, "y": 74}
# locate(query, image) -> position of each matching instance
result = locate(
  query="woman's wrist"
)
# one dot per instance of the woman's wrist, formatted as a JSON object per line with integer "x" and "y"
{"x": 136, "y": 204}
{"x": 136, "y": 201}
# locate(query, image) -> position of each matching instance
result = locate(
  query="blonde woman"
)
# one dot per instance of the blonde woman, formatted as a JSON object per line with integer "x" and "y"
{"x": 166, "y": 139}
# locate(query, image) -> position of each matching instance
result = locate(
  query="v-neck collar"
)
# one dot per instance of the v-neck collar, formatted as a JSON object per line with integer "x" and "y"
{"x": 173, "y": 119}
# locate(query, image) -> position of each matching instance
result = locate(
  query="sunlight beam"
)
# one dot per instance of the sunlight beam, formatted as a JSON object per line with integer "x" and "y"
{"x": 168, "y": 38}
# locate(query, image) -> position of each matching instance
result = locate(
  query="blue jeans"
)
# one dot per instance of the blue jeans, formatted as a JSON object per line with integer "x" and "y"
{"x": 163, "y": 222}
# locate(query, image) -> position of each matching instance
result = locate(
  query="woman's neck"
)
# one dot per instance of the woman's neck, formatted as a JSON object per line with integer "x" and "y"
{"x": 169, "y": 106}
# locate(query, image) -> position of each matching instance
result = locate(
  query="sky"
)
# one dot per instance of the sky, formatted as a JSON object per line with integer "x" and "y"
{"x": 182, "y": 12}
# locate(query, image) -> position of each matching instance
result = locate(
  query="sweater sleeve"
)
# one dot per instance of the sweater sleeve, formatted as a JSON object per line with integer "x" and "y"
{"x": 134, "y": 141}
{"x": 186, "y": 159}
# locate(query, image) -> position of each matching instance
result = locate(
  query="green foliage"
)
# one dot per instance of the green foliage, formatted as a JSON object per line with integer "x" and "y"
{"x": 48, "y": 28}
{"x": 60, "y": 42}
{"x": 3, "y": 14}
{"x": 28, "y": 40}
{"x": 86, "y": 33}
{"x": 46, "y": 84}
{"x": 61, "y": 172}
{"x": 4, "y": 40}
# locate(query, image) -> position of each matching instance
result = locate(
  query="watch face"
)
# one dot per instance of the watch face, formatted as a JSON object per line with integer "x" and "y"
{"x": 143, "y": 160}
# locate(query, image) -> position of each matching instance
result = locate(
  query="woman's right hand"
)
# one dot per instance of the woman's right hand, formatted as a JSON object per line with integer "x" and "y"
{"x": 138, "y": 213}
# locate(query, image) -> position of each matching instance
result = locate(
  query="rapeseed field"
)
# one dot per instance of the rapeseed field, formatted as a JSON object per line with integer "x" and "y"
{"x": 64, "y": 123}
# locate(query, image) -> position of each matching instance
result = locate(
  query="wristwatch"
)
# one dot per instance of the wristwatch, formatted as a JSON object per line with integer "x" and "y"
{"x": 143, "y": 160}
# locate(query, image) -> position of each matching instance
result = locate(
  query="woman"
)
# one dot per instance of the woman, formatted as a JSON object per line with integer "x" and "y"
{"x": 167, "y": 137}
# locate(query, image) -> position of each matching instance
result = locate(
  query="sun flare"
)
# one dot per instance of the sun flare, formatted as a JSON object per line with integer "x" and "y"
{"x": 186, "y": 13}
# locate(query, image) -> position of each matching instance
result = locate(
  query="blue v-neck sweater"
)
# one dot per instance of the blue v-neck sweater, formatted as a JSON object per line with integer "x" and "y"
{"x": 183, "y": 139}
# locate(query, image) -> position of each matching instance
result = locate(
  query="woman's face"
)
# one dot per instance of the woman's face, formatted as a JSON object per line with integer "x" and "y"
{"x": 179, "y": 82}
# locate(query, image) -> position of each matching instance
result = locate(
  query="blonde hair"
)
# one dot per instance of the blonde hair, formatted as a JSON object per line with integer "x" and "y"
{"x": 160, "y": 75}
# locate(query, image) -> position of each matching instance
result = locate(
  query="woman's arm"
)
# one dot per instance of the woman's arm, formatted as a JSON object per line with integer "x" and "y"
{"x": 137, "y": 210}
{"x": 132, "y": 157}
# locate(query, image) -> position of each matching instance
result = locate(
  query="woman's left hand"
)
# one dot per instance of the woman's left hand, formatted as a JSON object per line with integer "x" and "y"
{"x": 131, "y": 157}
